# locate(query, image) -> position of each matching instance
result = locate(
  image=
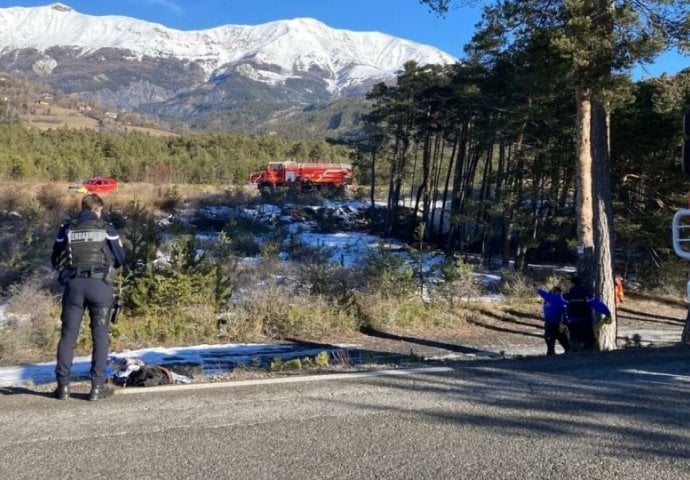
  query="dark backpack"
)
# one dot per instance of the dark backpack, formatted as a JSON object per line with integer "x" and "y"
{"x": 149, "y": 376}
{"x": 578, "y": 308}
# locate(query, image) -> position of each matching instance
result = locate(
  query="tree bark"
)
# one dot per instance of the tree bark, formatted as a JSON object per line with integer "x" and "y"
{"x": 446, "y": 184}
{"x": 583, "y": 174}
{"x": 603, "y": 203}
{"x": 456, "y": 195}
{"x": 603, "y": 212}
{"x": 372, "y": 192}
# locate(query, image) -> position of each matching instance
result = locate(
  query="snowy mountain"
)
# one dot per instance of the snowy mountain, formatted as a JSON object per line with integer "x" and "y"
{"x": 147, "y": 67}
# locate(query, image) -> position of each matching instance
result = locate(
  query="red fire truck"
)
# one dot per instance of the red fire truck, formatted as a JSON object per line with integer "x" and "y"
{"x": 303, "y": 176}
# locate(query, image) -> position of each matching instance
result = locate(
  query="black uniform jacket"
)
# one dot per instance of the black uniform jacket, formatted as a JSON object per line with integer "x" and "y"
{"x": 112, "y": 239}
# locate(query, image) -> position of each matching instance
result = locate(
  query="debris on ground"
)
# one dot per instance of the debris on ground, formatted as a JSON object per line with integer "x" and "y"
{"x": 132, "y": 372}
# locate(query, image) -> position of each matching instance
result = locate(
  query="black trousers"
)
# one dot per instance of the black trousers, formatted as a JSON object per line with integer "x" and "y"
{"x": 582, "y": 334}
{"x": 81, "y": 294}
{"x": 553, "y": 332}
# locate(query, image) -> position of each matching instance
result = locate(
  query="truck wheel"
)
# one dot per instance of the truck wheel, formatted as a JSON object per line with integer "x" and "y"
{"x": 266, "y": 189}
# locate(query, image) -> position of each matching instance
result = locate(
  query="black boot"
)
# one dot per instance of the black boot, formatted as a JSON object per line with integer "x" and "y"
{"x": 62, "y": 392}
{"x": 99, "y": 392}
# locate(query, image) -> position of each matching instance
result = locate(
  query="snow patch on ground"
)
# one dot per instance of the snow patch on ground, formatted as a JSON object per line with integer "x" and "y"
{"x": 211, "y": 359}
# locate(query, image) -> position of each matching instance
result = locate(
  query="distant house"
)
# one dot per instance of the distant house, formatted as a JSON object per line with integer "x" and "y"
{"x": 111, "y": 115}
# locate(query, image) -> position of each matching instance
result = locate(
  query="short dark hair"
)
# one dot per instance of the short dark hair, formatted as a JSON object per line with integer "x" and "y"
{"x": 91, "y": 202}
{"x": 575, "y": 280}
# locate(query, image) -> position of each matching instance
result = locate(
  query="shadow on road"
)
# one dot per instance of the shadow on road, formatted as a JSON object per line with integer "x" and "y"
{"x": 355, "y": 355}
{"x": 24, "y": 391}
{"x": 626, "y": 403}
{"x": 7, "y": 391}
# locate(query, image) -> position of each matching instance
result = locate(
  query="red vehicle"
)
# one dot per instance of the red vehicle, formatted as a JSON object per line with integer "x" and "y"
{"x": 96, "y": 185}
{"x": 304, "y": 176}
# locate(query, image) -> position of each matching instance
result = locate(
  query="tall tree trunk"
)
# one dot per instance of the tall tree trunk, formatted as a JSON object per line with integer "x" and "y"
{"x": 414, "y": 176}
{"x": 480, "y": 218}
{"x": 603, "y": 224}
{"x": 446, "y": 184}
{"x": 430, "y": 194}
{"x": 439, "y": 150}
{"x": 603, "y": 203}
{"x": 424, "y": 182}
{"x": 392, "y": 200}
{"x": 583, "y": 173}
{"x": 372, "y": 193}
{"x": 399, "y": 180}
{"x": 456, "y": 195}
{"x": 468, "y": 193}
{"x": 518, "y": 180}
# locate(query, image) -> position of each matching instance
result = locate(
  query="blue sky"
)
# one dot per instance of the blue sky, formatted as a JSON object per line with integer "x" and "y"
{"x": 402, "y": 18}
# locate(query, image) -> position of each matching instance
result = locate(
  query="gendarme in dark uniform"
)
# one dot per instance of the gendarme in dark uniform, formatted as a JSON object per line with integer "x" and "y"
{"x": 87, "y": 250}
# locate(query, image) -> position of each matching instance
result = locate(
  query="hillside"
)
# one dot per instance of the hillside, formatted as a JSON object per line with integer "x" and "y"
{"x": 38, "y": 106}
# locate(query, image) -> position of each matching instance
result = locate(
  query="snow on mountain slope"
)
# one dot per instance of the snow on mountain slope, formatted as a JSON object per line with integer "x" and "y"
{"x": 341, "y": 57}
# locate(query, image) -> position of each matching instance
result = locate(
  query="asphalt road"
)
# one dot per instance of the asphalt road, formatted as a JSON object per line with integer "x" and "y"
{"x": 607, "y": 416}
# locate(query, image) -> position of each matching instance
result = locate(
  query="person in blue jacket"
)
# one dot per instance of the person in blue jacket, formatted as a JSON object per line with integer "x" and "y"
{"x": 554, "y": 316}
{"x": 580, "y": 307}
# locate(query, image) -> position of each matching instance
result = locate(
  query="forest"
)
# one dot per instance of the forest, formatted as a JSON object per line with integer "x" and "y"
{"x": 71, "y": 155}
{"x": 487, "y": 161}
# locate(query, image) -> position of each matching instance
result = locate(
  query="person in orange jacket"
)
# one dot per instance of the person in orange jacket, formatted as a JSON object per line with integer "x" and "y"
{"x": 618, "y": 289}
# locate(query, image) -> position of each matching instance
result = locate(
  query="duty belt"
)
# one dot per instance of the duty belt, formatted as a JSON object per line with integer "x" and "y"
{"x": 88, "y": 272}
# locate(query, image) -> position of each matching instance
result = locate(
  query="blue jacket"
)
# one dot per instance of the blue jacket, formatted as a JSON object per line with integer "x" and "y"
{"x": 555, "y": 306}
{"x": 112, "y": 239}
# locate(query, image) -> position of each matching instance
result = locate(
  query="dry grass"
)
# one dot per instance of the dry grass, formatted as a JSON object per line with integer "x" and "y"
{"x": 33, "y": 323}
{"x": 189, "y": 325}
{"x": 278, "y": 313}
{"x": 159, "y": 196}
{"x": 517, "y": 287}
{"x": 53, "y": 116}
{"x": 56, "y": 198}
{"x": 409, "y": 313}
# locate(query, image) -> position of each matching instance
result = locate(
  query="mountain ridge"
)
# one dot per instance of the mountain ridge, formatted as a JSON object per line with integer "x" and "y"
{"x": 294, "y": 44}
{"x": 186, "y": 76}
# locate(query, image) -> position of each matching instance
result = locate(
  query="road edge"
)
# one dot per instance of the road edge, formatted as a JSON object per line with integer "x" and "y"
{"x": 281, "y": 380}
